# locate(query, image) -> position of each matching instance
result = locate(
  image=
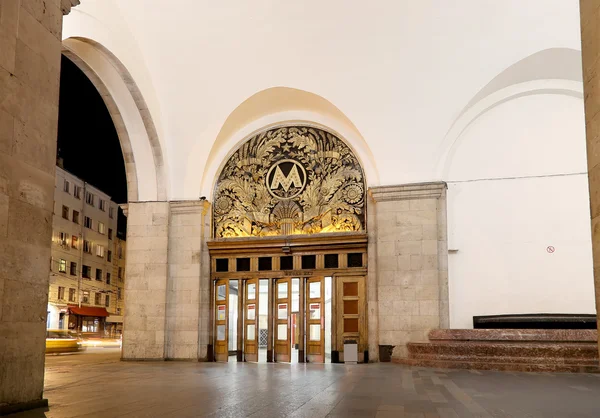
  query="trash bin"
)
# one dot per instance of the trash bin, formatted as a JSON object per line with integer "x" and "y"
{"x": 350, "y": 352}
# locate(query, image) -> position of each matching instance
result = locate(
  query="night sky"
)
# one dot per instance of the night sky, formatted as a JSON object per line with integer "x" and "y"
{"x": 87, "y": 139}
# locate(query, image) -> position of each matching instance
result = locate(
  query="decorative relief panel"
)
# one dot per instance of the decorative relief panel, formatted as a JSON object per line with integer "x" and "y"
{"x": 292, "y": 180}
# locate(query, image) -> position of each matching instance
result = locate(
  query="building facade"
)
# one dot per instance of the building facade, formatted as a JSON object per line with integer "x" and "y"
{"x": 85, "y": 286}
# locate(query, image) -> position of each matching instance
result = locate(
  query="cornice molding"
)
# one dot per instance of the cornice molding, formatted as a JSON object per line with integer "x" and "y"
{"x": 189, "y": 206}
{"x": 433, "y": 190}
{"x": 66, "y": 5}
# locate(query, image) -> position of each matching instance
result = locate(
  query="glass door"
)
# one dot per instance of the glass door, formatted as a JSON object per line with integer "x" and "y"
{"x": 221, "y": 314}
{"x": 251, "y": 320}
{"x": 315, "y": 320}
{"x": 282, "y": 321}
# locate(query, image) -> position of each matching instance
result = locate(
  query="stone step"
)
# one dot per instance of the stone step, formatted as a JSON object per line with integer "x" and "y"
{"x": 505, "y": 348}
{"x": 549, "y": 335}
{"x": 501, "y": 366}
{"x": 504, "y": 359}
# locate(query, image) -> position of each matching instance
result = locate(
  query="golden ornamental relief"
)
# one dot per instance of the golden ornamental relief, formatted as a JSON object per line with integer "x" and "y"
{"x": 286, "y": 181}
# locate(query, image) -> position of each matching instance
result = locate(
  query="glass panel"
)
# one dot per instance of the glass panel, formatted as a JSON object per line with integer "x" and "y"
{"x": 221, "y": 312}
{"x": 252, "y": 312}
{"x": 220, "y": 332}
{"x": 282, "y": 290}
{"x": 251, "y": 291}
{"x": 295, "y": 295}
{"x": 221, "y": 292}
{"x": 314, "y": 311}
{"x": 251, "y": 332}
{"x": 282, "y": 311}
{"x": 315, "y": 332}
{"x": 281, "y": 332}
{"x": 314, "y": 290}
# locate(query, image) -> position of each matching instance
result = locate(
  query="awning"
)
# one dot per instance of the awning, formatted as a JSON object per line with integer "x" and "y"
{"x": 88, "y": 311}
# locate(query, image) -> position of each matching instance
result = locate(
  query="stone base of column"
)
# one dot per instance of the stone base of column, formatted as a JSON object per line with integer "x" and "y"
{"x": 6, "y": 409}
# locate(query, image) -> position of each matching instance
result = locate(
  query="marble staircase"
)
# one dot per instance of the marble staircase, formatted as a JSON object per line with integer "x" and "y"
{"x": 530, "y": 350}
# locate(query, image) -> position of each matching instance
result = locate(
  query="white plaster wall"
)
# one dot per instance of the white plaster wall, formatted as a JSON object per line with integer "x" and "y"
{"x": 517, "y": 184}
{"x": 401, "y": 71}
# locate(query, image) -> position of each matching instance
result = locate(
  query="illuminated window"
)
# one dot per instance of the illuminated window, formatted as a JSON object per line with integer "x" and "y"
{"x": 100, "y": 251}
{"x": 86, "y": 296}
{"x": 74, "y": 242}
{"x": 101, "y": 228}
{"x": 62, "y": 266}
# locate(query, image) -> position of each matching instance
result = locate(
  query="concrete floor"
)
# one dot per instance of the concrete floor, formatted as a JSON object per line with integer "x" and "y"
{"x": 97, "y": 384}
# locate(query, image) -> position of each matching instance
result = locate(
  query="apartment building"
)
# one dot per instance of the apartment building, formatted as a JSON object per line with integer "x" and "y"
{"x": 84, "y": 286}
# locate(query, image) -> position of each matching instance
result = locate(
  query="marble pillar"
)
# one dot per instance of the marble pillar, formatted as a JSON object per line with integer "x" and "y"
{"x": 590, "y": 48}
{"x": 30, "y": 45}
{"x": 408, "y": 242}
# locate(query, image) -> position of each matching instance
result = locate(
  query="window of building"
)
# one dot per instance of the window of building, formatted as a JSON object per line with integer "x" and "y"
{"x": 109, "y": 233}
{"x": 102, "y": 205}
{"x": 87, "y": 246}
{"x": 119, "y": 295}
{"x": 73, "y": 269}
{"x": 74, "y": 242}
{"x": 101, "y": 228}
{"x": 111, "y": 212}
{"x": 107, "y": 301}
{"x": 67, "y": 186}
{"x": 86, "y": 272}
{"x": 77, "y": 191}
{"x": 100, "y": 251}
{"x": 87, "y": 222}
{"x": 65, "y": 212}
{"x": 99, "y": 275}
{"x": 118, "y": 311}
{"x": 86, "y": 296}
{"x": 120, "y": 273}
{"x": 109, "y": 255}
{"x": 75, "y": 217}
{"x": 89, "y": 198}
{"x": 61, "y": 292}
{"x": 62, "y": 266}
{"x": 120, "y": 252}
{"x": 107, "y": 278}
{"x": 71, "y": 295}
{"x": 62, "y": 238}
{"x": 98, "y": 299}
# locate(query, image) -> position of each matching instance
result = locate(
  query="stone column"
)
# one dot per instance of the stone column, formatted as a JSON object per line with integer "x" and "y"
{"x": 409, "y": 247}
{"x": 590, "y": 48}
{"x": 30, "y": 45}
{"x": 184, "y": 287}
{"x": 146, "y": 285}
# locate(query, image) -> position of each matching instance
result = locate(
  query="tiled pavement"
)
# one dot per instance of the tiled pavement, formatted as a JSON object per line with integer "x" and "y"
{"x": 98, "y": 385}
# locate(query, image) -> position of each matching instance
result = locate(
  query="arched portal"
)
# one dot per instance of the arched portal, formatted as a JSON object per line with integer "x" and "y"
{"x": 288, "y": 181}
{"x": 289, "y": 255}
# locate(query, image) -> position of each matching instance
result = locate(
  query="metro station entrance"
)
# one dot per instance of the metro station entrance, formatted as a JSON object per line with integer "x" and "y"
{"x": 288, "y": 308}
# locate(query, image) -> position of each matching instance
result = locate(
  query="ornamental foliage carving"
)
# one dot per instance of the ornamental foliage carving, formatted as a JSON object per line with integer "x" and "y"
{"x": 292, "y": 180}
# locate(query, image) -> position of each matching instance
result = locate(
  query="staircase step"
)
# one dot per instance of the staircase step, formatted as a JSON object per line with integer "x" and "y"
{"x": 539, "y": 335}
{"x": 501, "y": 366}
